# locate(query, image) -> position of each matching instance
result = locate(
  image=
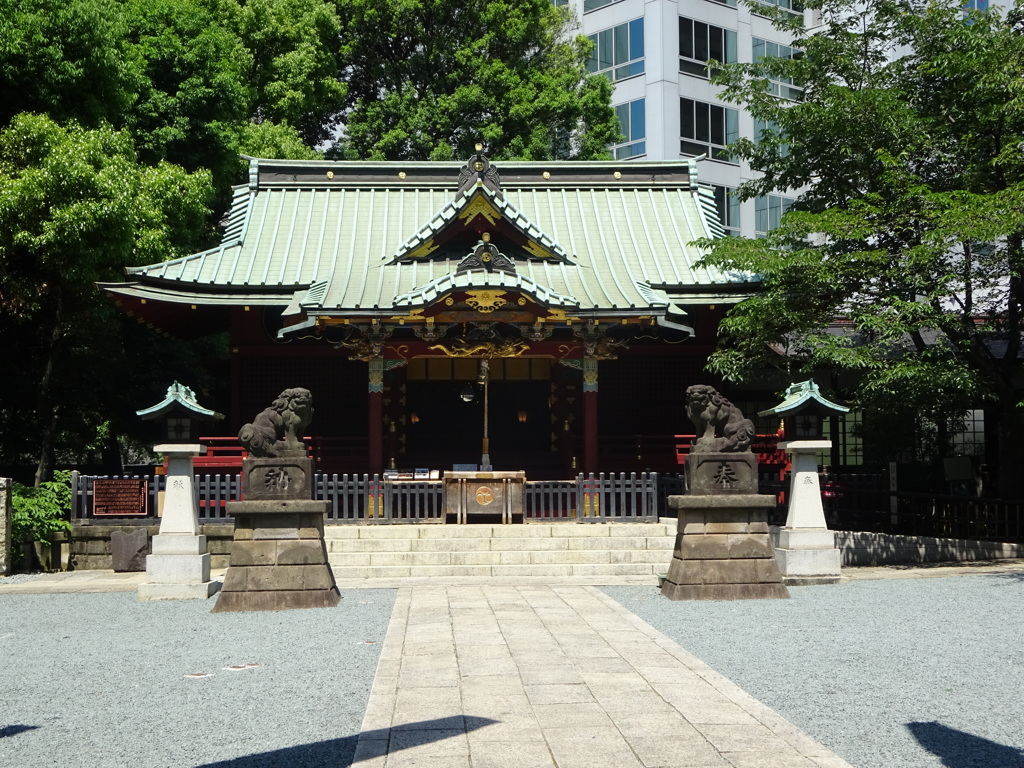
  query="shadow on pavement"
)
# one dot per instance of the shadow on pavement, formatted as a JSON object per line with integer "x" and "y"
{"x": 964, "y": 750}
{"x": 338, "y": 753}
{"x": 14, "y": 730}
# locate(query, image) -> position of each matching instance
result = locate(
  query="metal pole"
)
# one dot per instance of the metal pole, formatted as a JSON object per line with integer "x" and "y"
{"x": 485, "y": 459}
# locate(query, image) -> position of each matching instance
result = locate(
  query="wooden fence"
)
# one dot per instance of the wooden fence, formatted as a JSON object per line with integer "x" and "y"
{"x": 361, "y": 499}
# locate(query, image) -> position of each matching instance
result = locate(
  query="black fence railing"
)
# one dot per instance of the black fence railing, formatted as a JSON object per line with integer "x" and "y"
{"x": 362, "y": 499}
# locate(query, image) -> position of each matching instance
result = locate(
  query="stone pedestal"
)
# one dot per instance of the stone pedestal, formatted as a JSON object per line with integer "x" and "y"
{"x": 723, "y": 550}
{"x": 806, "y": 550}
{"x": 278, "y": 555}
{"x": 721, "y": 473}
{"x": 179, "y": 566}
{"x": 278, "y": 558}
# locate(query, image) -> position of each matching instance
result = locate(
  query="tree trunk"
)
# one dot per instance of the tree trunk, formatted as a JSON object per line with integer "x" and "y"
{"x": 49, "y": 411}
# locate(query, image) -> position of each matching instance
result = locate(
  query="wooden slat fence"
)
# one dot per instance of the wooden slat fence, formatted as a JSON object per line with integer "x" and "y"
{"x": 550, "y": 500}
{"x": 414, "y": 501}
{"x": 361, "y": 499}
{"x": 618, "y": 497}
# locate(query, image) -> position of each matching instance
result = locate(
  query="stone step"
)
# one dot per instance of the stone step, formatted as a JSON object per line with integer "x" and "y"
{"x": 348, "y": 573}
{"x": 558, "y": 557}
{"x": 667, "y": 527}
{"x": 598, "y": 552}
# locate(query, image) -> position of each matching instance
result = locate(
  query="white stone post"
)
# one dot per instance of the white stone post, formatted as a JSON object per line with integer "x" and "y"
{"x": 806, "y": 551}
{"x": 179, "y": 566}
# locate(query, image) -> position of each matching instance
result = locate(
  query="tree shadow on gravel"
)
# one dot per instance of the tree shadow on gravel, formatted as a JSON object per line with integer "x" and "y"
{"x": 14, "y": 730}
{"x": 964, "y": 750}
{"x": 339, "y": 753}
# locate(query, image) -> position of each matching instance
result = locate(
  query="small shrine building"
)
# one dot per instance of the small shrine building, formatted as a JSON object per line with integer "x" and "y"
{"x": 400, "y": 293}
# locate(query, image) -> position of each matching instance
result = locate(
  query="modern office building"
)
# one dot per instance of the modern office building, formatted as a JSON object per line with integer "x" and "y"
{"x": 655, "y": 52}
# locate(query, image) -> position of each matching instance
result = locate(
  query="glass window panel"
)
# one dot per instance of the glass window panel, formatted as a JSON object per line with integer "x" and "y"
{"x": 716, "y": 45}
{"x": 717, "y": 125}
{"x": 700, "y": 41}
{"x": 622, "y": 113}
{"x": 702, "y": 121}
{"x": 637, "y": 120}
{"x": 686, "y": 119}
{"x": 592, "y": 63}
{"x": 730, "y": 46}
{"x": 636, "y": 39}
{"x": 604, "y": 48}
{"x": 686, "y": 38}
{"x": 732, "y": 125}
{"x": 620, "y": 35}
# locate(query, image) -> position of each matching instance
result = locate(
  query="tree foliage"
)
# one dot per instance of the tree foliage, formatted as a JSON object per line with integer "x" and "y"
{"x": 428, "y": 79}
{"x": 76, "y": 207}
{"x": 901, "y": 260}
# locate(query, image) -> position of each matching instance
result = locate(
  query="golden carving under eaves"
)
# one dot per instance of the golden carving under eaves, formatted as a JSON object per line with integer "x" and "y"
{"x": 535, "y": 249}
{"x": 464, "y": 348}
{"x": 486, "y": 301}
{"x": 480, "y": 206}
{"x": 422, "y": 250}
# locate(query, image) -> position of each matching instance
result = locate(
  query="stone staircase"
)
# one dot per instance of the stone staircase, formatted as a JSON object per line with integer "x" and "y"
{"x": 590, "y": 553}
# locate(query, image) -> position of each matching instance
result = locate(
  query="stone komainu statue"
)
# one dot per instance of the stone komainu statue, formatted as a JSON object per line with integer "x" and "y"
{"x": 277, "y": 430}
{"x": 721, "y": 426}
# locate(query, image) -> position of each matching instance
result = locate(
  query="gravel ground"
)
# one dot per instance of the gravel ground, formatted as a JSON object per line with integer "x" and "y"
{"x": 19, "y": 578}
{"x": 103, "y": 680}
{"x": 888, "y": 674}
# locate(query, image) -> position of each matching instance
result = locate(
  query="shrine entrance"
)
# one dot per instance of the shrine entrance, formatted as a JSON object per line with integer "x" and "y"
{"x": 444, "y": 415}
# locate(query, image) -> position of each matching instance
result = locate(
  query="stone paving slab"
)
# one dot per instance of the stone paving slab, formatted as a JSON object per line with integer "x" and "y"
{"x": 557, "y": 677}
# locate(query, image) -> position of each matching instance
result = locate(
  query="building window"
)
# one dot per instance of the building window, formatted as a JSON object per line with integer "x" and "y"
{"x": 619, "y": 51}
{"x": 976, "y": 5}
{"x": 768, "y": 212}
{"x": 593, "y": 5}
{"x": 795, "y": 7}
{"x": 730, "y": 3}
{"x": 783, "y": 87}
{"x": 728, "y": 205}
{"x": 707, "y": 128}
{"x": 633, "y": 124}
{"x": 764, "y": 127}
{"x": 699, "y": 42}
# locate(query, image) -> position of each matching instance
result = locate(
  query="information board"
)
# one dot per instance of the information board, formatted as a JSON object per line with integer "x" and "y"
{"x": 119, "y": 497}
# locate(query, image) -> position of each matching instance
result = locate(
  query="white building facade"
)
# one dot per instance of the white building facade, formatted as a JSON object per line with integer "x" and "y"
{"x": 654, "y": 52}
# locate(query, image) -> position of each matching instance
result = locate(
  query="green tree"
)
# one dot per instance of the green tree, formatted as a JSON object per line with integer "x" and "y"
{"x": 427, "y": 79}
{"x": 76, "y": 207}
{"x": 296, "y": 73}
{"x": 909, "y": 227}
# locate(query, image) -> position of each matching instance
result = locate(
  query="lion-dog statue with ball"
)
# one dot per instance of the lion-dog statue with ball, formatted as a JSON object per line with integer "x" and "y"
{"x": 721, "y": 426}
{"x": 277, "y": 430}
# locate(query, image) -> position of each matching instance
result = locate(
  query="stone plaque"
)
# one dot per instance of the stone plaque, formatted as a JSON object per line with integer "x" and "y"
{"x": 275, "y": 479}
{"x": 721, "y": 473}
{"x": 128, "y": 551}
{"x": 119, "y": 497}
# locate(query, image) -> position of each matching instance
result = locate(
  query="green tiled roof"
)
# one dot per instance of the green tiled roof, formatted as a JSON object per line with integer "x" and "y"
{"x": 326, "y": 235}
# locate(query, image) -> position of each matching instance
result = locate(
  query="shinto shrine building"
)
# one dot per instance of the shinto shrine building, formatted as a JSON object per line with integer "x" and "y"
{"x": 400, "y": 293}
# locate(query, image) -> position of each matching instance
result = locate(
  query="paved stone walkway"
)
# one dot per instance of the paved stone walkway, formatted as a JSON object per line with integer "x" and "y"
{"x": 546, "y": 676}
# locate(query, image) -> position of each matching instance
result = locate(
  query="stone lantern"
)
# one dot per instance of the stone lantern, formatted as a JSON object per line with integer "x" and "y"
{"x": 179, "y": 566}
{"x": 806, "y": 550}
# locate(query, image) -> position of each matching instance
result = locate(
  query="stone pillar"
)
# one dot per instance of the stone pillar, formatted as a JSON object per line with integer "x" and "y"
{"x": 179, "y": 566}
{"x": 375, "y": 418}
{"x": 590, "y": 463}
{"x": 806, "y": 550}
{"x": 5, "y": 526}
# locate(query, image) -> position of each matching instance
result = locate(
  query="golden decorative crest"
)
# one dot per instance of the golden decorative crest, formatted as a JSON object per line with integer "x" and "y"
{"x": 422, "y": 250}
{"x": 484, "y": 495}
{"x": 486, "y": 301}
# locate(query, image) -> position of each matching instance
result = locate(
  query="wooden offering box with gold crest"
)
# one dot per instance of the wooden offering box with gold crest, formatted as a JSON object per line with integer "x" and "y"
{"x": 484, "y": 493}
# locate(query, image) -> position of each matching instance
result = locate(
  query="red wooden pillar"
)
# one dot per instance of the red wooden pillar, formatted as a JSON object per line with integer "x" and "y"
{"x": 590, "y": 415}
{"x": 375, "y": 419}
